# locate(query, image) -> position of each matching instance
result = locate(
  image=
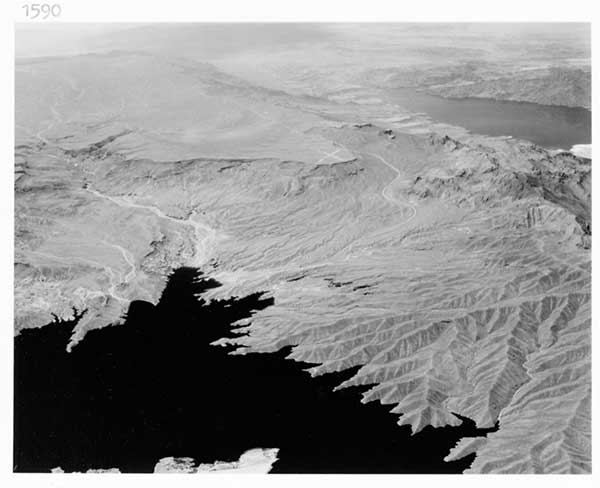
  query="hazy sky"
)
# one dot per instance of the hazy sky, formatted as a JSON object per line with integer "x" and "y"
{"x": 206, "y": 40}
{"x": 59, "y": 38}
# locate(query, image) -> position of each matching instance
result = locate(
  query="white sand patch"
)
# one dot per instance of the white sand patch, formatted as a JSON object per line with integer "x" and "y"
{"x": 582, "y": 150}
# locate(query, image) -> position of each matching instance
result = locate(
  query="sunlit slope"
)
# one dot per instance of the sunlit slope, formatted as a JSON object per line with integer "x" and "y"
{"x": 473, "y": 298}
{"x": 454, "y": 270}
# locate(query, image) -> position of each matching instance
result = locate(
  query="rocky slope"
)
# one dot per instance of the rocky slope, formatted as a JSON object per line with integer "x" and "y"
{"x": 252, "y": 461}
{"x": 554, "y": 86}
{"x": 454, "y": 269}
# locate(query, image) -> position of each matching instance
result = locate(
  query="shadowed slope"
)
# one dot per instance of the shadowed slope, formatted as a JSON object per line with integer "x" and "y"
{"x": 153, "y": 387}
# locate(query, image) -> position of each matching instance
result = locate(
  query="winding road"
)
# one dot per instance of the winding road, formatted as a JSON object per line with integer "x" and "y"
{"x": 205, "y": 235}
{"x": 386, "y": 191}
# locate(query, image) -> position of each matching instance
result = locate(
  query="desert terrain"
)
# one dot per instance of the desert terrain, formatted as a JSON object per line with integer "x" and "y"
{"x": 453, "y": 268}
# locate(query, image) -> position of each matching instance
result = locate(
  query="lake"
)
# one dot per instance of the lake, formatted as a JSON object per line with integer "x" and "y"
{"x": 548, "y": 126}
{"x": 154, "y": 387}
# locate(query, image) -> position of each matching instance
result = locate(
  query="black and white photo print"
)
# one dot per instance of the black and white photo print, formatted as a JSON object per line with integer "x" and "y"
{"x": 327, "y": 248}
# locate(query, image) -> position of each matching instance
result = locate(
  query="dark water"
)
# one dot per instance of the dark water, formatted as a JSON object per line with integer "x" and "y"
{"x": 154, "y": 387}
{"x": 548, "y": 126}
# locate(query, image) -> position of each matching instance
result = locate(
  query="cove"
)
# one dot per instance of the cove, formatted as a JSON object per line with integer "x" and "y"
{"x": 549, "y": 126}
{"x": 154, "y": 387}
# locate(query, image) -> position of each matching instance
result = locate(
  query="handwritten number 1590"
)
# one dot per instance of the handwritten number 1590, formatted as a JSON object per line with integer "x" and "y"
{"x": 41, "y": 10}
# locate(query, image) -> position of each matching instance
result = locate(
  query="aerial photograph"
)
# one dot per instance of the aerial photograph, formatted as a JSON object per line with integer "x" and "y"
{"x": 303, "y": 248}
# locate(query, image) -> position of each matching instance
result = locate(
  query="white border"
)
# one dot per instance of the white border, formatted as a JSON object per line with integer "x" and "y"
{"x": 319, "y": 11}
{"x": 258, "y": 10}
